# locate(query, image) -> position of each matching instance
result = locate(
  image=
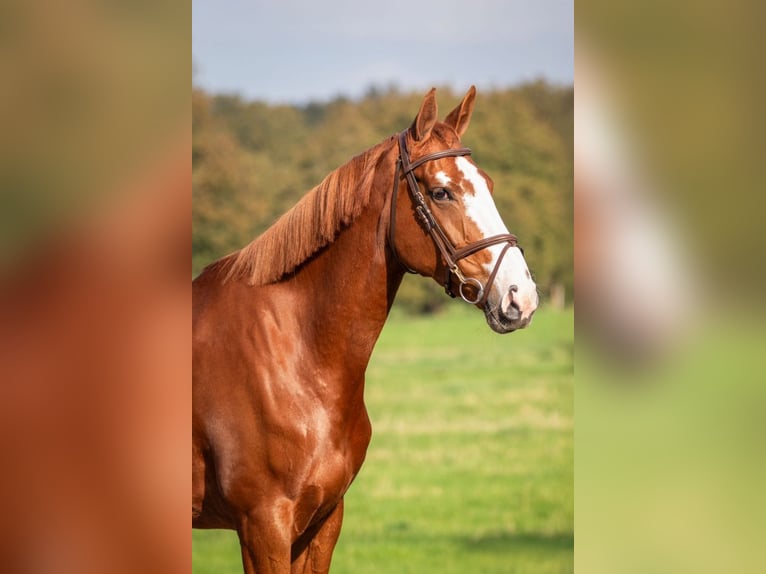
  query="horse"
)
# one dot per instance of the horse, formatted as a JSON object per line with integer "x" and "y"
{"x": 283, "y": 330}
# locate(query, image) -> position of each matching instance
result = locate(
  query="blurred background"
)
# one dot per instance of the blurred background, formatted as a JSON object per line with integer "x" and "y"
{"x": 95, "y": 363}
{"x": 669, "y": 276}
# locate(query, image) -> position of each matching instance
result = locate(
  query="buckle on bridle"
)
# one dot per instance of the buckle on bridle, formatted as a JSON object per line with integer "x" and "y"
{"x": 425, "y": 216}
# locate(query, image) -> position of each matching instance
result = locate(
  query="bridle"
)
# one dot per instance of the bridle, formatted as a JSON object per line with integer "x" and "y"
{"x": 451, "y": 256}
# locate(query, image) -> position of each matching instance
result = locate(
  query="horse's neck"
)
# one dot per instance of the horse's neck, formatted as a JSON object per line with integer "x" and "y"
{"x": 350, "y": 287}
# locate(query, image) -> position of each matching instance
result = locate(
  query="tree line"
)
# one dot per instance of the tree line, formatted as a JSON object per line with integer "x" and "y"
{"x": 252, "y": 161}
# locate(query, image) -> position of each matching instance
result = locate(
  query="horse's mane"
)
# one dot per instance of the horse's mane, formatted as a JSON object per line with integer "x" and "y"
{"x": 311, "y": 224}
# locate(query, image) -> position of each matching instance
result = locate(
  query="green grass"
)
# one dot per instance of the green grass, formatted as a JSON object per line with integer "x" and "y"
{"x": 470, "y": 468}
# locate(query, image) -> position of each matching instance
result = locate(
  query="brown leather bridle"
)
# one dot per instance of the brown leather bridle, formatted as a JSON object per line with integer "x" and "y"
{"x": 405, "y": 168}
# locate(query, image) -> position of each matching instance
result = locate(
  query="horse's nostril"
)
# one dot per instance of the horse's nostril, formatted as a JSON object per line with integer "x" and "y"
{"x": 512, "y": 311}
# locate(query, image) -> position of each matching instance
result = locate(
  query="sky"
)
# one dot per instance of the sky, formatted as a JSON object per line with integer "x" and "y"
{"x": 296, "y": 51}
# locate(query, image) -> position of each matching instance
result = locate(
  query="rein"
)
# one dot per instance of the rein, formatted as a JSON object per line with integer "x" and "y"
{"x": 451, "y": 256}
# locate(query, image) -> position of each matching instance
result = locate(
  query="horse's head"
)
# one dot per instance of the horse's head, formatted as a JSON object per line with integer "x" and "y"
{"x": 444, "y": 223}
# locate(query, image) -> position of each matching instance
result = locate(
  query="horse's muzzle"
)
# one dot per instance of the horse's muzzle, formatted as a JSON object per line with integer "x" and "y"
{"x": 513, "y": 312}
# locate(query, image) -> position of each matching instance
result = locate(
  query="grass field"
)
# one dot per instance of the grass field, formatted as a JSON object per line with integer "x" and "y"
{"x": 470, "y": 469}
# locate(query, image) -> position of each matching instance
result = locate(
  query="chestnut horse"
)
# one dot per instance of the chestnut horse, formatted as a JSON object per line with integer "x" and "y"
{"x": 284, "y": 328}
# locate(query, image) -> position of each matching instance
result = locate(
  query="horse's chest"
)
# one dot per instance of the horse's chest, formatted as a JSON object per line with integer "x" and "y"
{"x": 332, "y": 464}
{"x": 336, "y": 452}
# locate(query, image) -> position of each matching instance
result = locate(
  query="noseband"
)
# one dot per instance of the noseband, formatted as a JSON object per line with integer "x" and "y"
{"x": 405, "y": 168}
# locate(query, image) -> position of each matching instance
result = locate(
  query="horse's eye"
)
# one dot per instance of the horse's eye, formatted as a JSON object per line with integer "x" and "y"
{"x": 441, "y": 194}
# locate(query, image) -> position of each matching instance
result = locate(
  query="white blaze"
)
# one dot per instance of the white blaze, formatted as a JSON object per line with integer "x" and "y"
{"x": 443, "y": 179}
{"x": 481, "y": 209}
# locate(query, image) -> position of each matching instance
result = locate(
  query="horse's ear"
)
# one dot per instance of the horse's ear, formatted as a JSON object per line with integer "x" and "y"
{"x": 460, "y": 117}
{"x": 426, "y": 117}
